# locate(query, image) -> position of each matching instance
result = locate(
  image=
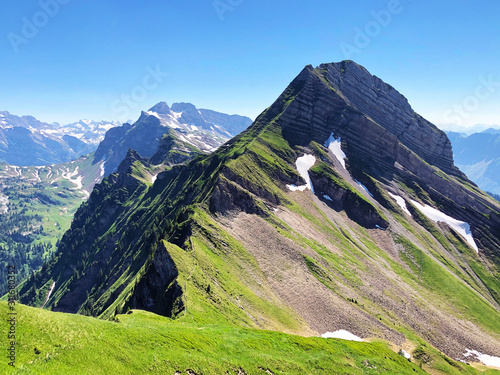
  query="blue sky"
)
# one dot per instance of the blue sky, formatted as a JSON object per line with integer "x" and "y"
{"x": 73, "y": 59}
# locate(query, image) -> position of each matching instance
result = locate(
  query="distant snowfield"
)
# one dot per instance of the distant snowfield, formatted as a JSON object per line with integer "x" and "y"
{"x": 4, "y": 204}
{"x": 486, "y": 359}
{"x": 153, "y": 178}
{"x": 101, "y": 167}
{"x": 303, "y": 164}
{"x": 401, "y": 202}
{"x": 334, "y": 145}
{"x": 151, "y": 113}
{"x": 460, "y": 227}
{"x": 341, "y": 334}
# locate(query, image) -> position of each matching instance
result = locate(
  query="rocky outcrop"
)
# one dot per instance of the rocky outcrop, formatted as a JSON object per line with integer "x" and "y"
{"x": 341, "y": 198}
{"x": 158, "y": 291}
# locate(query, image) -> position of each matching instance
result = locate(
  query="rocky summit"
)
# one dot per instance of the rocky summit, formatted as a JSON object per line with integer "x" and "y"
{"x": 339, "y": 209}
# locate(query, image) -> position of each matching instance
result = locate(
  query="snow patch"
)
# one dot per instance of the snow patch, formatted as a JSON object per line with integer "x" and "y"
{"x": 151, "y": 113}
{"x": 48, "y": 294}
{"x": 176, "y": 115}
{"x": 303, "y": 164}
{"x": 460, "y": 227}
{"x": 327, "y": 197}
{"x": 101, "y": 173}
{"x": 78, "y": 182}
{"x": 364, "y": 188}
{"x": 153, "y": 178}
{"x": 341, "y": 334}
{"x": 296, "y": 188}
{"x": 183, "y": 139}
{"x": 335, "y": 146}
{"x": 4, "y": 204}
{"x": 401, "y": 202}
{"x": 486, "y": 359}
{"x": 37, "y": 177}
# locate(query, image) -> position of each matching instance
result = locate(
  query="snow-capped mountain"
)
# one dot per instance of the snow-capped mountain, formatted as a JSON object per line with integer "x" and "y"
{"x": 203, "y": 129}
{"x": 26, "y": 141}
{"x": 87, "y": 131}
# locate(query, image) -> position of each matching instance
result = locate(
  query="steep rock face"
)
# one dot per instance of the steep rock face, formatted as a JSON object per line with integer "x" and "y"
{"x": 341, "y": 198}
{"x": 388, "y": 108}
{"x": 381, "y": 135}
{"x": 158, "y": 291}
{"x": 345, "y": 99}
{"x": 144, "y": 137}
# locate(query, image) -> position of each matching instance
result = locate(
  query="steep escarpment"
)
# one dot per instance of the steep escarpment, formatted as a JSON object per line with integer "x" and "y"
{"x": 91, "y": 258}
{"x": 345, "y": 99}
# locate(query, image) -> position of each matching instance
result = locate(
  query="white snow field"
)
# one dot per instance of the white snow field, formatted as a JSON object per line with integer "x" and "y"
{"x": 303, "y": 164}
{"x": 460, "y": 227}
{"x": 401, "y": 202}
{"x": 486, "y": 359}
{"x": 334, "y": 145}
{"x": 341, "y": 334}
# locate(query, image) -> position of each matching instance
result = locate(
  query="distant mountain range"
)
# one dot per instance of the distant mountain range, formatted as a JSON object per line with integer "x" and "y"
{"x": 26, "y": 141}
{"x": 202, "y": 129}
{"x": 478, "y": 128}
{"x": 478, "y": 156}
{"x": 37, "y": 203}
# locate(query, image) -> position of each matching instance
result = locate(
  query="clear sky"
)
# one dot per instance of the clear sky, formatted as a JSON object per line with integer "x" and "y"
{"x": 63, "y": 60}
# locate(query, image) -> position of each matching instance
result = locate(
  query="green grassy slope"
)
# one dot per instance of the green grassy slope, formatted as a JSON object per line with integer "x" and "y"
{"x": 41, "y": 205}
{"x": 141, "y": 342}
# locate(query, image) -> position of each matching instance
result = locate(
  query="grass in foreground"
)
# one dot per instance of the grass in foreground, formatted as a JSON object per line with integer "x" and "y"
{"x": 141, "y": 342}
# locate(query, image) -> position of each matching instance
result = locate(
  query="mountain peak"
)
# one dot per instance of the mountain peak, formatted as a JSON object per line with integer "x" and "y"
{"x": 346, "y": 100}
{"x": 161, "y": 108}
